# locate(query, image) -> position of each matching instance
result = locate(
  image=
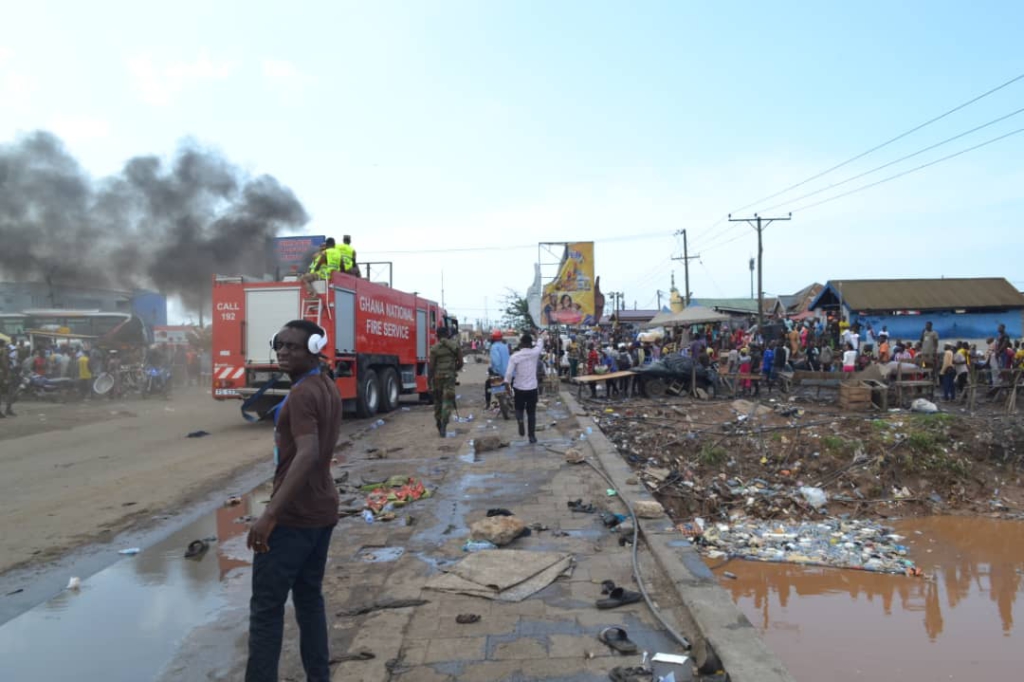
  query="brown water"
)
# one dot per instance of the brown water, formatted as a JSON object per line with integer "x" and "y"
{"x": 842, "y": 625}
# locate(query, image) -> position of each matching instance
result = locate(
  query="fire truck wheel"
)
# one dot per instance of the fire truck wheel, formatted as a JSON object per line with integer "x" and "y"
{"x": 368, "y": 399}
{"x": 390, "y": 389}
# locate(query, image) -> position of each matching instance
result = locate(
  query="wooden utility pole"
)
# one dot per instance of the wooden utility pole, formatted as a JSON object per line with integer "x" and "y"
{"x": 759, "y": 223}
{"x": 686, "y": 267}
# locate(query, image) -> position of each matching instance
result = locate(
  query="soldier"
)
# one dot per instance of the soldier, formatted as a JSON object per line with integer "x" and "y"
{"x": 445, "y": 362}
{"x": 10, "y": 377}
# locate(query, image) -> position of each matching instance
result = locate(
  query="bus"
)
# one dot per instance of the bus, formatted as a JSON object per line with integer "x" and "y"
{"x": 57, "y": 324}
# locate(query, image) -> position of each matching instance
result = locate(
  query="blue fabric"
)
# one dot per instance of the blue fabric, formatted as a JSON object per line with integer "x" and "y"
{"x": 295, "y": 563}
{"x": 499, "y": 358}
{"x": 768, "y": 361}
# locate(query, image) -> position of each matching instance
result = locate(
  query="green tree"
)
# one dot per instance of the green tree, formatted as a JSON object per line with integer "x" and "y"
{"x": 517, "y": 312}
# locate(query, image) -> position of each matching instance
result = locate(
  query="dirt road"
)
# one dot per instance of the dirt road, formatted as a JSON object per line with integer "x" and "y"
{"x": 78, "y": 473}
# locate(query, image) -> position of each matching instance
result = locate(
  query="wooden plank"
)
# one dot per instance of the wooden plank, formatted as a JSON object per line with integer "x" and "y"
{"x": 592, "y": 378}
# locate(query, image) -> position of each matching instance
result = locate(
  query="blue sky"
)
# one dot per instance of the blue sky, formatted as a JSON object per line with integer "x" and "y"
{"x": 421, "y": 126}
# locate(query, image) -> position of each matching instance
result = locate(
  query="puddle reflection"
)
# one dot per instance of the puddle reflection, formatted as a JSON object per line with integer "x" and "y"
{"x": 853, "y": 625}
{"x": 127, "y": 621}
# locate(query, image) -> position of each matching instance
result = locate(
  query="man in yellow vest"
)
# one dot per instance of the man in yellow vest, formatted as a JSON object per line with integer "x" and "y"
{"x": 348, "y": 256}
{"x": 316, "y": 268}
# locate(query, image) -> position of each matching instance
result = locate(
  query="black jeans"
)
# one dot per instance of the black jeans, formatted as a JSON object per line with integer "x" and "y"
{"x": 527, "y": 401}
{"x": 295, "y": 563}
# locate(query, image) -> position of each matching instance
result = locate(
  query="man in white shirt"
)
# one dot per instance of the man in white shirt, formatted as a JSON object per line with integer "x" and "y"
{"x": 522, "y": 376}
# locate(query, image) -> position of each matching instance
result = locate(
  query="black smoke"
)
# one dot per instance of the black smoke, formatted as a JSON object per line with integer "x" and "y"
{"x": 166, "y": 225}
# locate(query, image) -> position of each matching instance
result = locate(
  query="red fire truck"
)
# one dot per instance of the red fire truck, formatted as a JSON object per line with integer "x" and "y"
{"x": 379, "y": 340}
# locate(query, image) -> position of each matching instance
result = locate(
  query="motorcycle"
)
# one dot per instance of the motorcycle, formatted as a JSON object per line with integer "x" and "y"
{"x": 43, "y": 388}
{"x": 157, "y": 381}
{"x": 500, "y": 393}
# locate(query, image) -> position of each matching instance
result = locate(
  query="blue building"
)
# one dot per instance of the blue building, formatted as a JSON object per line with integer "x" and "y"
{"x": 967, "y": 309}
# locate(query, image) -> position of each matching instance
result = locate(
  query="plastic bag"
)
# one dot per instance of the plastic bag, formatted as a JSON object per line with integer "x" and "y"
{"x": 816, "y": 497}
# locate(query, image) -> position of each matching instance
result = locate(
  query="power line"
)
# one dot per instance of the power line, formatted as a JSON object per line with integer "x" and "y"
{"x": 886, "y": 143}
{"x": 902, "y": 158}
{"x": 908, "y": 172}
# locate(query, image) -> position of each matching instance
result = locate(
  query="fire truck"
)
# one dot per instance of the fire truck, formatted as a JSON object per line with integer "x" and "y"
{"x": 379, "y": 340}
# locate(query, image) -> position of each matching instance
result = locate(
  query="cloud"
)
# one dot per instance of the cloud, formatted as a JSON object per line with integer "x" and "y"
{"x": 79, "y": 128}
{"x": 160, "y": 84}
{"x": 285, "y": 78}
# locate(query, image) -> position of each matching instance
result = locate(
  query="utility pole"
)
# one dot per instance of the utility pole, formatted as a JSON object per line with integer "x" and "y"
{"x": 617, "y": 303}
{"x": 686, "y": 267}
{"x": 751, "y": 277}
{"x": 759, "y": 223}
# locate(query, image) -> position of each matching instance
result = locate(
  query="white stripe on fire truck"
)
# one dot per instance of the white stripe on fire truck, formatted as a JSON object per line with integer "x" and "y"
{"x": 225, "y": 372}
{"x": 238, "y": 373}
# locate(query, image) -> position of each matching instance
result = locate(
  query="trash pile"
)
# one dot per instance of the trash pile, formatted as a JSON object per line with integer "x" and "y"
{"x": 385, "y": 496}
{"x": 781, "y": 460}
{"x": 834, "y": 543}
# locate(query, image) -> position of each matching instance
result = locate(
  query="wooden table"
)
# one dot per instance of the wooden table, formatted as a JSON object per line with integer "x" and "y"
{"x": 587, "y": 379}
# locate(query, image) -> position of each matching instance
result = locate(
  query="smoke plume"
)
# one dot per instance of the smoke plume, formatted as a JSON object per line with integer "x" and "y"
{"x": 169, "y": 226}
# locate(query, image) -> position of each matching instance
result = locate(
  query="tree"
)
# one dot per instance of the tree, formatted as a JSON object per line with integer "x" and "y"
{"x": 517, "y": 312}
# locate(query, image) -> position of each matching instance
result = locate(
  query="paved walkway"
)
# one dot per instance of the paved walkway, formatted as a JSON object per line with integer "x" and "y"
{"x": 550, "y": 636}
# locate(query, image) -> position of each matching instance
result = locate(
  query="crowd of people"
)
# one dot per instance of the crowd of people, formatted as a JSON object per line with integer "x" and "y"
{"x": 823, "y": 345}
{"x": 331, "y": 257}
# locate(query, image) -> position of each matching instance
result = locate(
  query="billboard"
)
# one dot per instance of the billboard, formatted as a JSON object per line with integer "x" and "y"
{"x": 569, "y": 298}
{"x": 292, "y": 255}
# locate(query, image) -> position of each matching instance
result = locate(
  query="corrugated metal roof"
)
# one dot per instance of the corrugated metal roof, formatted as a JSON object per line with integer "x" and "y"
{"x": 740, "y": 304}
{"x": 923, "y": 294}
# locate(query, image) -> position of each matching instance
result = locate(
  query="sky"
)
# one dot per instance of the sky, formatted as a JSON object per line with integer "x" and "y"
{"x": 451, "y": 137}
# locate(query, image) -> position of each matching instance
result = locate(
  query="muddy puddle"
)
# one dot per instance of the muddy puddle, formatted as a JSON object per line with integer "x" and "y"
{"x": 844, "y": 625}
{"x": 127, "y": 621}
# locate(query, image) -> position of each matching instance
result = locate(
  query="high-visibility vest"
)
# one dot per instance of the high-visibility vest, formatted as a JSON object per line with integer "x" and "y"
{"x": 347, "y": 255}
{"x": 334, "y": 258}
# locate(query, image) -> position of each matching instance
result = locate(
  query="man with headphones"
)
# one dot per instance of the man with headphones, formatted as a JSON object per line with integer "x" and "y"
{"x": 292, "y": 536}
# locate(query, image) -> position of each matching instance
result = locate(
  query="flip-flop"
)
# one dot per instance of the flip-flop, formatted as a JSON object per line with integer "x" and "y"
{"x": 630, "y": 674}
{"x": 619, "y": 597}
{"x": 607, "y": 586}
{"x": 578, "y": 506}
{"x": 499, "y": 512}
{"x": 618, "y": 639}
{"x": 196, "y": 549}
{"x": 611, "y": 520}
{"x": 467, "y": 618}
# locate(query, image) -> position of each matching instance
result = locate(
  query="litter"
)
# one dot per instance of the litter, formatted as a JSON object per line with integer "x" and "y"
{"x": 675, "y": 659}
{"x": 835, "y": 543}
{"x": 923, "y": 406}
{"x": 397, "y": 491}
{"x": 232, "y": 501}
{"x": 129, "y": 551}
{"x": 478, "y": 545}
{"x": 467, "y": 618}
{"x": 74, "y": 583}
{"x": 508, "y": 575}
{"x": 816, "y": 497}
{"x": 198, "y": 434}
{"x": 196, "y": 549}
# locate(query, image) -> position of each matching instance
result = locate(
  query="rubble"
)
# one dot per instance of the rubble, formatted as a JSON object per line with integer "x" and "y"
{"x": 499, "y": 530}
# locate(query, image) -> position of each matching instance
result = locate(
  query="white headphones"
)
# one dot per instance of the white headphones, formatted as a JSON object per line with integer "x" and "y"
{"x": 316, "y": 343}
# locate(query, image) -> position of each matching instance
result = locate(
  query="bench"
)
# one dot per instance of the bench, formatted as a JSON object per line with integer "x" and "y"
{"x": 921, "y": 387}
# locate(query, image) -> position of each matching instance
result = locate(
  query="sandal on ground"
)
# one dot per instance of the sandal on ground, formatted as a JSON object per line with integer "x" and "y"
{"x": 619, "y": 597}
{"x": 617, "y": 638}
{"x": 578, "y": 506}
{"x": 630, "y": 674}
{"x": 196, "y": 549}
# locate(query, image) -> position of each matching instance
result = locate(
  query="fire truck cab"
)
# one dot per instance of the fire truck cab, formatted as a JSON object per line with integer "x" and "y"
{"x": 379, "y": 340}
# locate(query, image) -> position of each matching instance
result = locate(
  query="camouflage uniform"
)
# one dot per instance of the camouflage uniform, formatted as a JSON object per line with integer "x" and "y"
{"x": 445, "y": 362}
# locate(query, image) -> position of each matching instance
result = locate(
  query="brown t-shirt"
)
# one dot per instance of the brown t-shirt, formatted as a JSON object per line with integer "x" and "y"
{"x": 314, "y": 407}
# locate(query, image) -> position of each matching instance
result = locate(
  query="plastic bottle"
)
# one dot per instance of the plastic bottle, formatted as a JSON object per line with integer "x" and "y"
{"x": 377, "y": 424}
{"x": 368, "y": 516}
{"x": 477, "y": 545}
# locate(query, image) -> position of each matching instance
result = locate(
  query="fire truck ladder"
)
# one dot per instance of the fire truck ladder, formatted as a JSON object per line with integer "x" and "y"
{"x": 313, "y": 309}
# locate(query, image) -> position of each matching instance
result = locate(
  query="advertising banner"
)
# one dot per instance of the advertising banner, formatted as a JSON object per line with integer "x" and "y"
{"x": 292, "y": 255}
{"x": 569, "y": 298}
